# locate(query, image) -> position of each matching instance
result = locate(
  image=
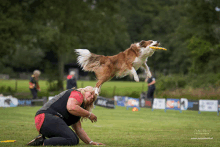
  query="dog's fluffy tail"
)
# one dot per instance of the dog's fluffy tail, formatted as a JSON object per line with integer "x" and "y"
{"x": 87, "y": 60}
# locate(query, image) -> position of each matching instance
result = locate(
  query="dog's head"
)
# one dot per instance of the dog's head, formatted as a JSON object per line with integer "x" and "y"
{"x": 145, "y": 47}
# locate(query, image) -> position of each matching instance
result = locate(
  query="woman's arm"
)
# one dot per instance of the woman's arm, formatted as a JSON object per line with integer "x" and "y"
{"x": 73, "y": 107}
{"x": 153, "y": 82}
{"x": 82, "y": 134}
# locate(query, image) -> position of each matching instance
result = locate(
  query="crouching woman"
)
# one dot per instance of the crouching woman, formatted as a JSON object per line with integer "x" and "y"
{"x": 66, "y": 109}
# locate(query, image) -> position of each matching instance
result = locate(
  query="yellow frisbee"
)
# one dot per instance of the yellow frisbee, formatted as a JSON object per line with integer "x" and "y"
{"x": 157, "y": 48}
{"x": 8, "y": 141}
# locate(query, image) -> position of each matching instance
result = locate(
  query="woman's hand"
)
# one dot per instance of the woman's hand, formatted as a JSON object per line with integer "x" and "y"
{"x": 96, "y": 143}
{"x": 93, "y": 118}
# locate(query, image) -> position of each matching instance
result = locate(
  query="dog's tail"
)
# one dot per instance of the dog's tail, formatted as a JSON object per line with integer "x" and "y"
{"x": 87, "y": 60}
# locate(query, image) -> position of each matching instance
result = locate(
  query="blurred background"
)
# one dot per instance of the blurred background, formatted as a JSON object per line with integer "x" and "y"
{"x": 39, "y": 34}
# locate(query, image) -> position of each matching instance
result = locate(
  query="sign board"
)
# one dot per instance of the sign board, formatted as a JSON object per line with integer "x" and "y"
{"x": 8, "y": 102}
{"x": 24, "y": 102}
{"x": 146, "y": 103}
{"x": 159, "y": 103}
{"x": 120, "y": 100}
{"x": 104, "y": 102}
{"x": 173, "y": 104}
{"x": 218, "y": 106}
{"x": 208, "y": 105}
{"x": 131, "y": 102}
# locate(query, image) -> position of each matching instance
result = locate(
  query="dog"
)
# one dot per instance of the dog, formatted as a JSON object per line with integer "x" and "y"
{"x": 120, "y": 65}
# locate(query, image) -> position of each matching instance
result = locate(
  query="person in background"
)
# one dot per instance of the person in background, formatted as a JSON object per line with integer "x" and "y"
{"x": 71, "y": 81}
{"x": 33, "y": 83}
{"x": 151, "y": 88}
{"x": 69, "y": 108}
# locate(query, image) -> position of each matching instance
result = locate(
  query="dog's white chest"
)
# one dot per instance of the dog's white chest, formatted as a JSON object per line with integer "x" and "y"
{"x": 138, "y": 62}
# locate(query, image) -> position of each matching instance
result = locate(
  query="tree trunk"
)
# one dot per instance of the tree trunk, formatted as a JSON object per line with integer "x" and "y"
{"x": 60, "y": 71}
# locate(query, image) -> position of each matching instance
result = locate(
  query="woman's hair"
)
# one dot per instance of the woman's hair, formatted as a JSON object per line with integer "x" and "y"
{"x": 36, "y": 72}
{"x": 72, "y": 73}
{"x": 90, "y": 106}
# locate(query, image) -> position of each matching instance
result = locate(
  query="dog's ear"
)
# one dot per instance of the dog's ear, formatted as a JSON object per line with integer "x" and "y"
{"x": 142, "y": 42}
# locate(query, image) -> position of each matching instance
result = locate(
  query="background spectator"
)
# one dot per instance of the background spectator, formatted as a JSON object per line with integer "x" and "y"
{"x": 71, "y": 80}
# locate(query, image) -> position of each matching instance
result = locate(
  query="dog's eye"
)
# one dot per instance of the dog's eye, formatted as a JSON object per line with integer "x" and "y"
{"x": 151, "y": 42}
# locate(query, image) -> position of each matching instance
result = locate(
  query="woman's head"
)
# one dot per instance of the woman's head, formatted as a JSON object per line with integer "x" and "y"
{"x": 37, "y": 73}
{"x": 88, "y": 95}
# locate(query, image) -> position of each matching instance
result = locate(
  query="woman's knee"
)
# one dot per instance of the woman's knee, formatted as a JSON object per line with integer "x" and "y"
{"x": 73, "y": 140}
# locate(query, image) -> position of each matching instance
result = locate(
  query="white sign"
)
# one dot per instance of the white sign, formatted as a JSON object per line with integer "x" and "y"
{"x": 208, "y": 105}
{"x": 8, "y": 102}
{"x": 159, "y": 103}
{"x": 183, "y": 103}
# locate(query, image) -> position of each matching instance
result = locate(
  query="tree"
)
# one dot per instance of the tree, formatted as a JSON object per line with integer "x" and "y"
{"x": 65, "y": 25}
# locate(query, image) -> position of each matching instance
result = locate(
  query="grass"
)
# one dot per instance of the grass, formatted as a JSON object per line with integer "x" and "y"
{"x": 121, "y": 127}
{"x": 108, "y": 89}
{"x": 120, "y": 88}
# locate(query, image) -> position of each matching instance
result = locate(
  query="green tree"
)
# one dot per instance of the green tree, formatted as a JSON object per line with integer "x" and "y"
{"x": 11, "y": 26}
{"x": 62, "y": 26}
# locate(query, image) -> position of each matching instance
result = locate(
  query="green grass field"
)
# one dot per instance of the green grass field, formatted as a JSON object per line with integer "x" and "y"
{"x": 121, "y": 87}
{"x": 121, "y": 127}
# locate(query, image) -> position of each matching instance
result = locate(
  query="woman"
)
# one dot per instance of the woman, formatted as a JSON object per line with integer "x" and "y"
{"x": 151, "y": 88}
{"x": 71, "y": 80}
{"x": 69, "y": 107}
{"x": 33, "y": 83}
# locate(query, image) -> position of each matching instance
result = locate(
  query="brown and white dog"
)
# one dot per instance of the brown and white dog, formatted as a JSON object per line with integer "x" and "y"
{"x": 120, "y": 65}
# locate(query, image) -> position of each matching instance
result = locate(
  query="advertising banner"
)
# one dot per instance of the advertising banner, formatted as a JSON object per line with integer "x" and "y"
{"x": 120, "y": 100}
{"x": 186, "y": 104}
{"x": 159, "y": 103}
{"x": 218, "y": 106}
{"x": 131, "y": 102}
{"x": 193, "y": 105}
{"x": 173, "y": 104}
{"x": 8, "y": 102}
{"x": 146, "y": 103}
{"x": 24, "y": 102}
{"x": 208, "y": 105}
{"x": 104, "y": 102}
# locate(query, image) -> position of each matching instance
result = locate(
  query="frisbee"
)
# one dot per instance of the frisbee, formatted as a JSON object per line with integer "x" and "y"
{"x": 8, "y": 141}
{"x": 157, "y": 48}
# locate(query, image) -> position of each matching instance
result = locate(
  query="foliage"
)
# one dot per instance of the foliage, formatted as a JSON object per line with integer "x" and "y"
{"x": 7, "y": 90}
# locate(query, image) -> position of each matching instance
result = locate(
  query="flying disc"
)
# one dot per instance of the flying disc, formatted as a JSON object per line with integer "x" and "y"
{"x": 8, "y": 141}
{"x": 157, "y": 48}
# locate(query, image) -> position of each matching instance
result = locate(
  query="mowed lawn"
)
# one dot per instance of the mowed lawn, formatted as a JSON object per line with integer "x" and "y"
{"x": 121, "y": 127}
{"x": 110, "y": 88}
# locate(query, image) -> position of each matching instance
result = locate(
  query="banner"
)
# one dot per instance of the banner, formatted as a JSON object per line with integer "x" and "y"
{"x": 120, "y": 100}
{"x": 208, "y": 105}
{"x": 131, "y": 102}
{"x": 104, "y": 102}
{"x": 159, "y": 103}
{"x": 24, "y": 102}
{"x": 146, "y": 103}
{"x": 183, "y": 103}
{"x": 173, "y": 104}
{"x": 193, "y": 105}
{"x": 8, "y": 102}
{"x": 218, "y": 105}
{"x": 186, "y": 104}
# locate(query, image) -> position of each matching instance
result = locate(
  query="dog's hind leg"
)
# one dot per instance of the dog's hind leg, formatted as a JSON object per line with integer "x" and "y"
{"x": 133, "y": 71}
{"x": 99, "y": 84}
{"x": 103, "y": 74}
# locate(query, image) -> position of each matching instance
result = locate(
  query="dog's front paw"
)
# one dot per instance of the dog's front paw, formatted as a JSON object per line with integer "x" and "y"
{"x": 136, "y": 78}
{"x": 97, "y": 91}
{"x": 148, "y": 75}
